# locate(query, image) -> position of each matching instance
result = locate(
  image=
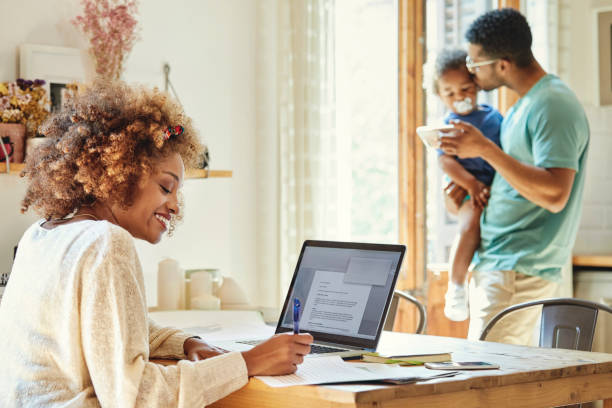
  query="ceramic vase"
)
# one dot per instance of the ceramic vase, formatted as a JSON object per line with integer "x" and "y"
{"x": 33, "y": 142}
{"x": 16, "y": 132}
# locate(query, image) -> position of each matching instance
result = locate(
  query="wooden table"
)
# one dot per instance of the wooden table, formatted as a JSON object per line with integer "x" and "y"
{"x": 529, "y": 377}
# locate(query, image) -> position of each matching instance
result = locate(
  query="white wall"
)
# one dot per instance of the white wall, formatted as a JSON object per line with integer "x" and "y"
{"x": 577, "y": 62}
{"x": 210, "y": 47}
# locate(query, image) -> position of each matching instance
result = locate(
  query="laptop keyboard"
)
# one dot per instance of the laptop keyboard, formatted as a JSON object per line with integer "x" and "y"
{"x": 314, "y": 348}
{"x": 249, "y": 342}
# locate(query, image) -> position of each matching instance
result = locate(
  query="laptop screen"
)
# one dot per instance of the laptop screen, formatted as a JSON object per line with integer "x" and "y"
{"x": 344, "y": 290}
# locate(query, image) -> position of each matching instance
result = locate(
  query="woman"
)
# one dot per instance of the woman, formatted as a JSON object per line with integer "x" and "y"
{"x": 73, "y": 319}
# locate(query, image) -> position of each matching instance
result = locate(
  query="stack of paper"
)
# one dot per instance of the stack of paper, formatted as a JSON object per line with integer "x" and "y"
{"x": 332, "y": 369}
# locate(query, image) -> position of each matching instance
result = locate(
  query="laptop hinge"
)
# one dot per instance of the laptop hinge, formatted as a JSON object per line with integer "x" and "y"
{"x": 342, "y": 346}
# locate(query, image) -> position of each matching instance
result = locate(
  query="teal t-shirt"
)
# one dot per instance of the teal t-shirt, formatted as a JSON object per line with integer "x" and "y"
{"x": 546, "y": 128}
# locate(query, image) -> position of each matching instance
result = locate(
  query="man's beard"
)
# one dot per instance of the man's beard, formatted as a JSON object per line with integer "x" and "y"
{"x": 492, "y": 83}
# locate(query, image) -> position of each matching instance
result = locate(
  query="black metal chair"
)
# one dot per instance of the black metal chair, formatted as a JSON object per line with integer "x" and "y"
{"x": 397, "y": 295}
{"x": 566, "y": 323}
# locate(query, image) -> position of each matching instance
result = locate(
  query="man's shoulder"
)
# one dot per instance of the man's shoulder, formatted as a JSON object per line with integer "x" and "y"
{"x": 554, "y": 92}
{"x": 554, "y": 103}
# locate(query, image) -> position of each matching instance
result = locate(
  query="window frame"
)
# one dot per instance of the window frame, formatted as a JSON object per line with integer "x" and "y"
{"x": 411, "y": 160}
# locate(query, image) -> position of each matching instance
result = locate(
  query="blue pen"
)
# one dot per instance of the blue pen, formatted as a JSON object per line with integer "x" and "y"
{"x": 296, "y": 315}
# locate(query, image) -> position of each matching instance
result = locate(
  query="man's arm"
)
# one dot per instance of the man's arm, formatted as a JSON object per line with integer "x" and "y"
{"x": 549, "y": 188}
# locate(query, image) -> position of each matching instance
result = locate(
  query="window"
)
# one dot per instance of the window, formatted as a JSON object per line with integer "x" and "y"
{"x": 367, "y": 118}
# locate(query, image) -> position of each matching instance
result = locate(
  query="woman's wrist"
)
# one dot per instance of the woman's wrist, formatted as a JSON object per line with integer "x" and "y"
{"x": 189, "y": 341}
{"x": 248, "y": 360}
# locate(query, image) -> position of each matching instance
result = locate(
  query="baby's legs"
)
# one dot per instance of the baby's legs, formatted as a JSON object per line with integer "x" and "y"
{"x": 456, "y": 307}
{"x": 468, "y": 242}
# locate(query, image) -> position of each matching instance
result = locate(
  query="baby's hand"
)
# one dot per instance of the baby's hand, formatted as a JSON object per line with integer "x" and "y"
{"x": 479, "y": 193}
{"x": 456, "y": 194}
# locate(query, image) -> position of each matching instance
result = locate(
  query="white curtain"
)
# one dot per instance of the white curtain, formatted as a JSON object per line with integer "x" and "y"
{"x": 297, "y": 173}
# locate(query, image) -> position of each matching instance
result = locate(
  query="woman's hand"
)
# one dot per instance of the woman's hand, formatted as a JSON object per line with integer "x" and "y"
{"x": 279, "y": 355}
{"x": 197, "y": 349}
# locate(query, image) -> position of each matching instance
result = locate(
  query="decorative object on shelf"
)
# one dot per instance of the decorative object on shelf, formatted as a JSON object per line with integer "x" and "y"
{"x": 112, "y": 29}
{"x": 60, "y": 67}
{"x": 200, "y": 290}
{"x": 6, "y": 147}
{"x": 232, "y": 296}
{"x": 204, "y": 159}
{"x": 11, "y": 147}
{"x": 33, "y": 142}
{"x": 205, "y": 302}
{"x": 61, "y": 93}
{"x": 23, "y": 107}
{"x": 215, "y": 277}
{"x": 170, "y": 285}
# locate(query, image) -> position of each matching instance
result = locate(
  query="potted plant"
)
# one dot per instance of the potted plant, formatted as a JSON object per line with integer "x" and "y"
{"x": 23, "y": 107}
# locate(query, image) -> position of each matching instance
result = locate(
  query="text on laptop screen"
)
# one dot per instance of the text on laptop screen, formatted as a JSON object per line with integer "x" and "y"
{"x": 342, "y": 291}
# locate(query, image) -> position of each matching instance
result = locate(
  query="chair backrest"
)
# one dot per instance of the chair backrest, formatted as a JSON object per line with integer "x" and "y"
{"x": 397, "y": 295}
{"x": 566, "y": 322}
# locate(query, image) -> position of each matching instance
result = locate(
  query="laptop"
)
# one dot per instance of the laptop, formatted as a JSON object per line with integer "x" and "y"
{"x": 344, "y": 289}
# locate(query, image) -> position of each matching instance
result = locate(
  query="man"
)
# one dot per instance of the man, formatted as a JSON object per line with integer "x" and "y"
{"x": 529, "y": 225}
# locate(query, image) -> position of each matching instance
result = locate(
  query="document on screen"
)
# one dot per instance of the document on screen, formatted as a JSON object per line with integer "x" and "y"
{"x": 333, "y": 305}
{"x": 368, "y": 271}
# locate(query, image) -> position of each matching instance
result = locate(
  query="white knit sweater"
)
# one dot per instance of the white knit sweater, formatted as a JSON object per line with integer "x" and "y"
{"x": 74, "y": 330}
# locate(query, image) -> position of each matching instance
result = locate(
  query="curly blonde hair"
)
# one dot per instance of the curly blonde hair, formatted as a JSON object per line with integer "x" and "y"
{"x": 103, "y": 145}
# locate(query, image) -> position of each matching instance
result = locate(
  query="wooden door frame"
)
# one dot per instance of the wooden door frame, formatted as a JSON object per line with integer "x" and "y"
{"x": 411, "y": 169}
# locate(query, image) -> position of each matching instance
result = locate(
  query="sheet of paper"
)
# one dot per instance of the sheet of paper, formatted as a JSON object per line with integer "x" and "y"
{"x": 368, "y": 271}
{"x": 334, "y": 306}
{"x": 325, "y": 370}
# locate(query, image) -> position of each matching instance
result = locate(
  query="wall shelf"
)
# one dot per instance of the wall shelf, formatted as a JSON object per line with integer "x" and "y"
{"x": 599, "y": 261}
{"x": 190, "y": 173}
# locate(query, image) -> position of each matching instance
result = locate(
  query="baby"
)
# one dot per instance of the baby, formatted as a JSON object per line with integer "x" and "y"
{"x": 468, "y": 190}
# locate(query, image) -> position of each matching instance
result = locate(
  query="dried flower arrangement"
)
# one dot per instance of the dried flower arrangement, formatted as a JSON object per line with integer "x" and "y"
{"x": 25, "y": 102}
{"x": 112, "y": 29}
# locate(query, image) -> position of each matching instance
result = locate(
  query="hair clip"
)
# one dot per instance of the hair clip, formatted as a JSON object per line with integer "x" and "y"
{"x": 173, "y": 131}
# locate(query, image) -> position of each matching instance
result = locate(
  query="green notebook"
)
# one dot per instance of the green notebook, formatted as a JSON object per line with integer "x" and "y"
{"x": 412, "y": 359}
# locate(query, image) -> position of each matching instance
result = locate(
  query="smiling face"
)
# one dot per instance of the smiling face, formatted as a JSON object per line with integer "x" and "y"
{"x": 155, "y": 202}
{"x": 455, "y": 86}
